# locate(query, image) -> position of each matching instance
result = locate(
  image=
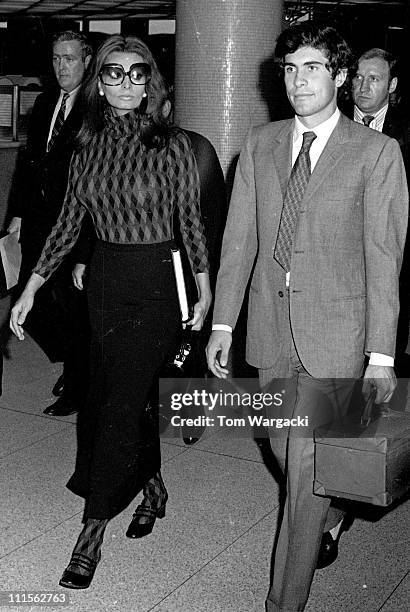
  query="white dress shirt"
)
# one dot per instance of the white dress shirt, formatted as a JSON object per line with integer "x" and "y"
{"x": 68, "y": 106}
{"x": 323, "y": 132}
{"x": 378, "y": 118}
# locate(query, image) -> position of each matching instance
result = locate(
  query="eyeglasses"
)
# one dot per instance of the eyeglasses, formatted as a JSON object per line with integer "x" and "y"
{"x": 114, "y": 74}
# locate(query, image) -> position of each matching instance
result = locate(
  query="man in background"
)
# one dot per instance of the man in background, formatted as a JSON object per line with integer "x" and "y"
{"x": 59, "y": 322}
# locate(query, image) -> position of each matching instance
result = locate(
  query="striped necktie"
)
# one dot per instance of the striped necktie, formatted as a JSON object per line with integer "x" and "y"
{"x": 58, "y": 123}
{"x": 367, "y": 119}
{"x": 298, "y": 181}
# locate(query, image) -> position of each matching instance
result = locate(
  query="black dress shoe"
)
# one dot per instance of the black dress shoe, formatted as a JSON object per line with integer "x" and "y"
{"x": 61, "y": 407}
{"x": 329, "y": 549}
{"x": 58, "y": 388}
{"x": 138, "y": 529}
{"x": 73, "y": 580}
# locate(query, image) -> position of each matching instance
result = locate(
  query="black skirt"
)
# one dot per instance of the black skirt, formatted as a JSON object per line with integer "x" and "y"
{"x": 135, "y": 322}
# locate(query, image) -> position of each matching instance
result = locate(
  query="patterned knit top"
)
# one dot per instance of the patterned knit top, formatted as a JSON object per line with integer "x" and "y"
{"x": 131, "y": 192}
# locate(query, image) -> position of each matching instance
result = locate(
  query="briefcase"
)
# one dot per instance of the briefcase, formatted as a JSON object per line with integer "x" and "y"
{"x": 366, "y": 461}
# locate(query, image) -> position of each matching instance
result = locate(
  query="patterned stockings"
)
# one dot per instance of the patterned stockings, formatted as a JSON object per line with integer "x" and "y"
{"x": 88, "y": 547}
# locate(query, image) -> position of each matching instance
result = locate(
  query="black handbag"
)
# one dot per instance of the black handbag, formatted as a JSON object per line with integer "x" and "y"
{"x": 186, "y": 362}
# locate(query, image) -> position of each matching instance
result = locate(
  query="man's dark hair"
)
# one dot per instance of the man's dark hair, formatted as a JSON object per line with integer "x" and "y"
{"x": 384, "y": 55}
{"x": 68, "y": 35}
{"x": 325, "y": 39}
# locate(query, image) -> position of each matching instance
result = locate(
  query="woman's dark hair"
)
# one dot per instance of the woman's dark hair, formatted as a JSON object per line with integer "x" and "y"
{"x": 153, "y": 126}
{"x": 325, "y": 39}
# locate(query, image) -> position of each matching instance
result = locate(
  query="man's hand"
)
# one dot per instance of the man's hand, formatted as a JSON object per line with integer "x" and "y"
{"x": 78, "y": 274}
{"x": 383, "y": 379}
{"x": 219, "y": 342}
{"x": 15, "y": 226}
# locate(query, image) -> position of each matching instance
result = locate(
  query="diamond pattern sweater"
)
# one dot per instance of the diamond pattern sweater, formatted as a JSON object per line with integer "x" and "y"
{"x": 131, "y": 192}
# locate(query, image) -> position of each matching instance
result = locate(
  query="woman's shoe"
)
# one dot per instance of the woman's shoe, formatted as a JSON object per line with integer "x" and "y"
{"x": 74, "y": 580}
{"x": 143, "y": 521}
{"x": 151, "y": 508}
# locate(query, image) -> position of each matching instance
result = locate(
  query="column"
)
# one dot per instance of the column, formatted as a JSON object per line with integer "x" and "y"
{"x": 223, "y": 51}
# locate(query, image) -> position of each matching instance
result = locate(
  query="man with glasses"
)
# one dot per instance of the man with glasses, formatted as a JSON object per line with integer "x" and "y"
{"x": 59, "y": 321}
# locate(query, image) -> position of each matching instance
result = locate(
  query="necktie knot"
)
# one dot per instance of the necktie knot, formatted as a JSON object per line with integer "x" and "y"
{"x": 308, "y": 138}
{"x": 64, "y": 100}
{"x": 367, "y": 119}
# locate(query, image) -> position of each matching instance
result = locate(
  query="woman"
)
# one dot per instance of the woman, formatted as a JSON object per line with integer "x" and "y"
{"x": 130, "y": 173}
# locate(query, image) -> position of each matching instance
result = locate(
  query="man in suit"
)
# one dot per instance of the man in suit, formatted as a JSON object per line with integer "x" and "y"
{"x": 317, "y": 221}
{"x": 374, "y": 86}
{"x": 59, "y": 322}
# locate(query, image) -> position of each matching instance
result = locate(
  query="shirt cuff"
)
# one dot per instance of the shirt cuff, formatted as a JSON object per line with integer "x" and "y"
{"x": 220, "y": 327}
{"x": 381, "y": 360}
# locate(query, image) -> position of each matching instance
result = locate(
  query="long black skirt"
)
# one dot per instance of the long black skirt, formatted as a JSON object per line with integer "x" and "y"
{"x": 135, "y": 322}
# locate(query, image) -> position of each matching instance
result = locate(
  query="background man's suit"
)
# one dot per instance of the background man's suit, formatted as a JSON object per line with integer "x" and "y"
{"x": 343, "y": 296}
{"x": 59, "y": 320}
{"x": 396, "y": 125}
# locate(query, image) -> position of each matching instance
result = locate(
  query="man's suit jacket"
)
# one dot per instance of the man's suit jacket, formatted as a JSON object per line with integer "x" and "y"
{"x": 397, "y": 126}
{"x": 42, "y": 177}
{"x": 346, "y": 257}
{"x": 41, "y": 182}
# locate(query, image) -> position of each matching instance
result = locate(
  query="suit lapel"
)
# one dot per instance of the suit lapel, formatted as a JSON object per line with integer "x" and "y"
{"x": 282, "y": 154}
{"x": 47, "y": 117}
{"x": 330, "y": 156}
{"x": 389, "y": 124}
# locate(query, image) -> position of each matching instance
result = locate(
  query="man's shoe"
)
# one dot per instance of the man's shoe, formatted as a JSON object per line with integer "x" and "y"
{"x": 329, "y": 547}
{"x": 61, "y": 407}
{"x": 328, "y": 552}
{"x": 58, "y": 388}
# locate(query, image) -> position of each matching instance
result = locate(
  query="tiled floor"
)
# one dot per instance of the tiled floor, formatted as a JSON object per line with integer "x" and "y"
{"x": 211, "y": 553}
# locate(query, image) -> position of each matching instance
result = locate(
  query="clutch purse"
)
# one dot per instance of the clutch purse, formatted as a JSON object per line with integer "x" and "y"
{"x": 182, "y": 362}
{"x": 187, "y": 360}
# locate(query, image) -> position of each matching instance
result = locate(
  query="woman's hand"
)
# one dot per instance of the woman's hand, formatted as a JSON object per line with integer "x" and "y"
{"x": 78, "y": 275}
{"x": 200, "y": 311}
{"x": 203, "y": 304}
{"x": 24, "y": 304}
{"x": 19, "y": 313}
